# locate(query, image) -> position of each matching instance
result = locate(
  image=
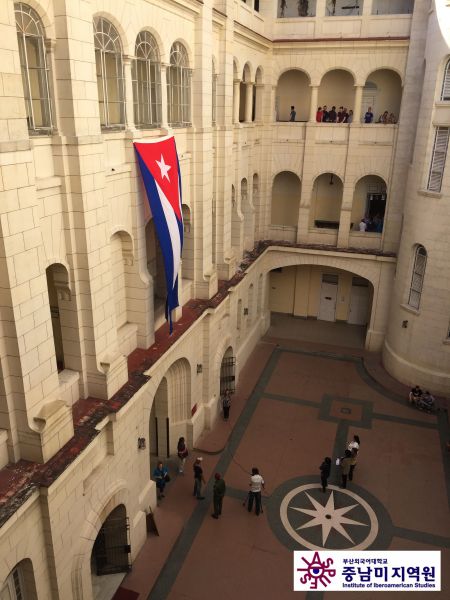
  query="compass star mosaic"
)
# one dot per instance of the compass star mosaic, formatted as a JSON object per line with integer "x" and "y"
{"x": 339, "y": 519}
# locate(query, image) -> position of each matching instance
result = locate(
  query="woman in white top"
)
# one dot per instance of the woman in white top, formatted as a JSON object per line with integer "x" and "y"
{"x": 354, "y": 444}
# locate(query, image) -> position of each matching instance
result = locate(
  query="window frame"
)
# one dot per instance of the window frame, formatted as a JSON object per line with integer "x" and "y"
{"x": 147, "y": 114}
{"x": 417, "y": 277}
{"x": 438, "y": 154}
{"x": 102, "y": 52}
{"x": 213, "y": 95}
{"x": 445, "y": 90}
{"x": 15, "y": 584}
{"x": 42, "y": 68}
{"x": 179, "y": 88}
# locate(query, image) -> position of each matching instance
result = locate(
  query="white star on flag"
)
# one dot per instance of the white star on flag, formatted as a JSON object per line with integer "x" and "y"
{"x": 164, "y": 168}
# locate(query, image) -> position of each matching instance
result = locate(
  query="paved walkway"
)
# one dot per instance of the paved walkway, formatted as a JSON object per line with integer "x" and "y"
{"x": 296, "y": 403}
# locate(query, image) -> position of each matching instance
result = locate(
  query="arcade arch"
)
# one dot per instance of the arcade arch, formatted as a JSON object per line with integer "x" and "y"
{"x": 111, "y": 549}
{"x": 337, "y": 89}
{"x": 171, "y": 409}
{"x": 286, "y": 192}
{"x": 383, "y": 92}
{"x": 369, "y": 201}
{"x": 326, "y": 202}
{"x": 293, "y": 84}
{"x": 323, "y": 293}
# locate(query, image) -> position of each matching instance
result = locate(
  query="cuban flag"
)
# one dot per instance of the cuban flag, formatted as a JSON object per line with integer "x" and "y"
{"x": 160, "y": 169}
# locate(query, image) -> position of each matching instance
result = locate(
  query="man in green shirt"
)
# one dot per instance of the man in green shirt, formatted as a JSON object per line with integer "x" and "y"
{"x": 218, "y": 494}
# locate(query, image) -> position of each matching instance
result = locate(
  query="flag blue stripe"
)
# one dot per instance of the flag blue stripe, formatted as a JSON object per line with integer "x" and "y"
{"x": 162, "y": 232}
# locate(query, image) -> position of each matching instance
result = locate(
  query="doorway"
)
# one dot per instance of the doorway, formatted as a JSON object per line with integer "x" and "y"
{"x": 359, "y": 302}
{"x": 328, "y": 298}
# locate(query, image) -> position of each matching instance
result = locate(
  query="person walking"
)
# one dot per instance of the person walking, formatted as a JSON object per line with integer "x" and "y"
{"x": 161, "y": 476}
{"x": 345, "y": 467}
{"x": 226, "y": 404}
{"x": 198, "y": 479}
{"x": 182, "y": 453}
{"x": 325, "y": 468}
{"x": 256, "y": 485}
{"x": 219, "y": 489}
{"x": 353, "y": 461}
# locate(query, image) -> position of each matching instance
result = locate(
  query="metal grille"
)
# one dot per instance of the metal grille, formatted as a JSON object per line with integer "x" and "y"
{"x": 227, "y": 374}
{"x": 112, "y": 548}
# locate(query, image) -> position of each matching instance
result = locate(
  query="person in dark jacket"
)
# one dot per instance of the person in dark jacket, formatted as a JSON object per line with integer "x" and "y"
{"x": 198, "y": 479}
{"x": 219, "y": 489}
{"x": 325, "y": 468}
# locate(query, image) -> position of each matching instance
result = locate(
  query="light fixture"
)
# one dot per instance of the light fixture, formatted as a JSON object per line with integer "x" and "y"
{"x": 142, "y": 444}
{"x": 404, "y": 324}
{"x": 199, "y": 368}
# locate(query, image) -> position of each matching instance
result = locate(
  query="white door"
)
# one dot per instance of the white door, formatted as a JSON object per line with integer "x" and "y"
{"x": 359, "y": 305}
{"x": 327, "y": 305}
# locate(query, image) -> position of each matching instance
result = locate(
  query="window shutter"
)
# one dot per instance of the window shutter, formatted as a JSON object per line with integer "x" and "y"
{"x": 438, "y": 159}
{"x": 445, "y": 95}
{"x": 415, "y": 290}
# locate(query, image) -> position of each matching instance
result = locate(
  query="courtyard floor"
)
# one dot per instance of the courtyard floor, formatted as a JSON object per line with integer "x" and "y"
{"x": 296, "y": 403}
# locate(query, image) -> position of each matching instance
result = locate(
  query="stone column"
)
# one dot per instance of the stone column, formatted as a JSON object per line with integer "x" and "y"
{"x": 164, "y": 111}
{"x": 236, "y": 99}
{"x": 358, "y": 104}
{"x": 259, "y": 102}
{"x": 248, "y": 101}
{"x": 128, "y": 83}
{"x": 367, "y": 7}
{"x": 313, "y": 105}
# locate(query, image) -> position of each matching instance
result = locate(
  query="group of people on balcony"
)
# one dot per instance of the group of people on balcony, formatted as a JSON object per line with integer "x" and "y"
{"x": 386, "y": 117}
{"x": 374, "y": 224}
{"x": 323, "y": 115}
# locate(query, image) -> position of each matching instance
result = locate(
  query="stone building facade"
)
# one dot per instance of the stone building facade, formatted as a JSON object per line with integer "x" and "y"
{"x": 90, "y": 383}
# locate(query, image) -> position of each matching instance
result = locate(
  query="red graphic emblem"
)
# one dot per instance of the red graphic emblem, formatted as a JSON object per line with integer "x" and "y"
{"x": 317, "y": 571}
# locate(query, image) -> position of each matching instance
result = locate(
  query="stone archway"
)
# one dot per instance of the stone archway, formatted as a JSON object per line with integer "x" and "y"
{"x": 110, "y": 554}
{"x": 319, "y": 295}
{"x": 228, "y": 371}
{"x": 171, "y": 410}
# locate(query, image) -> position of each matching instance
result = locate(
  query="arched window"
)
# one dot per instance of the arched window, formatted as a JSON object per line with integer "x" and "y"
{"x": 146, "y": 74}
{"x": 445, "y": 94}
{"x": 214, "y": 93}
{"x": 109, "y": 67}
{"x": 33, "y": 64}
{"x": 418, "y": 274}
{"x": 14, "y": 587}
{"x": 179, "y": 87}
{"x": 20, "y": 584}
